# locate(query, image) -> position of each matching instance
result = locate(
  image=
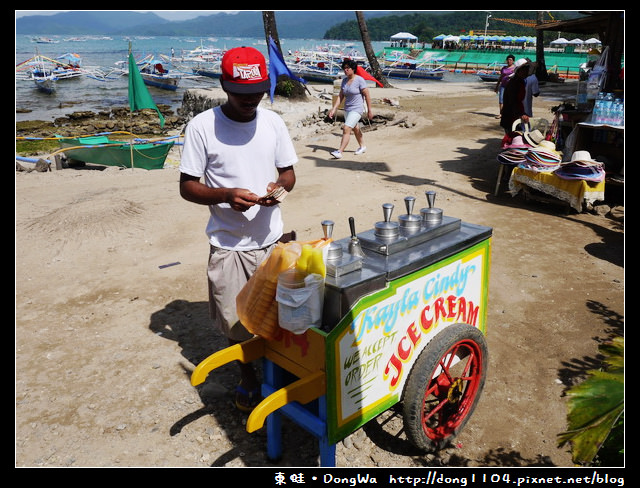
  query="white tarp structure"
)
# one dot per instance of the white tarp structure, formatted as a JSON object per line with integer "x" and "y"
{"x": 400, "y": 36}
{"x": 403, "y": 39}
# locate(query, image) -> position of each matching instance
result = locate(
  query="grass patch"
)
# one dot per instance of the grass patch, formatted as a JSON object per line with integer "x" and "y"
{"x": 30, "y": 148}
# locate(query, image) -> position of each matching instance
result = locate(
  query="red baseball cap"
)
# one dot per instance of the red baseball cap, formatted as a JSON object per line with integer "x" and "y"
{"x": 244, "y": 71}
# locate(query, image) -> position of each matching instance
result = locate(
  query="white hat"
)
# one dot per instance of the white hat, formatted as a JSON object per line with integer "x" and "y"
{"x": 582, "y": 156}
{"x": 534, "y": 137}
{"x": 519, "y": 64}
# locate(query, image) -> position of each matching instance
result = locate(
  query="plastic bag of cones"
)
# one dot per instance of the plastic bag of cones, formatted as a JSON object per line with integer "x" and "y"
{"x": 256, "y": 303}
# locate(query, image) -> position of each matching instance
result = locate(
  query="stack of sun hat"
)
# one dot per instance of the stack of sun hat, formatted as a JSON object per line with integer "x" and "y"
{"x": 514, "y": 154}
{"x": 581, "y": 167}
{"x": 544, "y": 157}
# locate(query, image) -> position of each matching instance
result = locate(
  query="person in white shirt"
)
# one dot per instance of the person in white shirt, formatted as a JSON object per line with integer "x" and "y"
{"x": 234, "y": 155}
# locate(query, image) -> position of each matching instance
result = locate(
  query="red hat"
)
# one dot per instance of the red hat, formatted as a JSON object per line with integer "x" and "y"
{"x": 244, "y": 71}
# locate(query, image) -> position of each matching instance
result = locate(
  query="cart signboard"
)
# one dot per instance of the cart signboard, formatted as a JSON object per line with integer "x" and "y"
{"x": 371, "y": 351}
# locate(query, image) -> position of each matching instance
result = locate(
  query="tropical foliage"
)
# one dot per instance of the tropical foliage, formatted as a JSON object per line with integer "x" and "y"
{"x": 596, "y": 412}
{"x": 427, "y": 25}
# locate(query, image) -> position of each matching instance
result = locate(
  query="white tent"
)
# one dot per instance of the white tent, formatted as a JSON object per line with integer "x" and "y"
{"x": 576, "y": 41}
{"x": 403, "y": 39}
{"x": 404, "y": 36}
{"x": 455, "y": 39}
{"x": 593, "y": 40}
{"x": 560, "y": 40}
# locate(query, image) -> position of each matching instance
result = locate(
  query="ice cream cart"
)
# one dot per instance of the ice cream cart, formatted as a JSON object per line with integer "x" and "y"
{"x": 403, "y": 320}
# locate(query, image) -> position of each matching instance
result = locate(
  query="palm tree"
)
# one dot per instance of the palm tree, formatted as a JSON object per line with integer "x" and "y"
{"x": 371, "y": 56}
{"x": 541, "y": 70}
{"x": 297, "y": 89}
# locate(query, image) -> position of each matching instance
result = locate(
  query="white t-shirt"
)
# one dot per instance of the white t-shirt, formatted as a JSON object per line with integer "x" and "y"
{"x": 230, "y": 154}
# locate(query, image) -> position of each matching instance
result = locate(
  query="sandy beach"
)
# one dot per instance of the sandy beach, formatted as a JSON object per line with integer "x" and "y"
{"x": 107, "y": 334}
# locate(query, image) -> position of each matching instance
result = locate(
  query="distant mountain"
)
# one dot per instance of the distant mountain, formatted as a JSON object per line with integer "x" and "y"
{"x": 292, "y": 24}
{"x": 87, "y": 22}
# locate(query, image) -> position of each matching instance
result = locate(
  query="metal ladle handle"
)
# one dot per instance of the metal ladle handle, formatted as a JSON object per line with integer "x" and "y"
{"x": 431, "y": 197}
{"x": 327, "y": 228}
{"x": 409, "y": 202}
{"x": 387, "y": 209}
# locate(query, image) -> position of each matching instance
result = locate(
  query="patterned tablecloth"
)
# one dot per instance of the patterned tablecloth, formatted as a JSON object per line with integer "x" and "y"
{"x": 575, "y": 192}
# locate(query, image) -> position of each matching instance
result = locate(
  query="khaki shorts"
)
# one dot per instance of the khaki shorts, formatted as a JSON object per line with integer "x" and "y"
{"x": 228, "y": 272}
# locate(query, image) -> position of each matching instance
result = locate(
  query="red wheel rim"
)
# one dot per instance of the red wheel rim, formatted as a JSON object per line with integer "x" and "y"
{"x": 452, "y": 390}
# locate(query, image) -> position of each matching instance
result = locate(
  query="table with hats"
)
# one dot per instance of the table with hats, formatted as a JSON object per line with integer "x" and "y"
{"x": 535, "y": 163}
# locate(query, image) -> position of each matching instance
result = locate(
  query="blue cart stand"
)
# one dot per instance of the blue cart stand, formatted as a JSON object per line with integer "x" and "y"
{"x": 312, "y": 417}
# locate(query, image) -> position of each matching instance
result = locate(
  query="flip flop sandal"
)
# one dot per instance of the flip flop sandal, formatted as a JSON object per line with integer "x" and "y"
{"x": 246, "y": 401}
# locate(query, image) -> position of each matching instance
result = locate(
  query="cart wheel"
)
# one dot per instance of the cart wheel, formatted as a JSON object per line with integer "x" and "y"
{"x": 444, "y": 386}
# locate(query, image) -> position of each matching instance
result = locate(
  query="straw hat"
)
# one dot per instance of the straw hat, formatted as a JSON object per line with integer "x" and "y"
{"x": 549, "y": 147}
{"x": 582, "y": 156}
{"x": 533, "y": 138}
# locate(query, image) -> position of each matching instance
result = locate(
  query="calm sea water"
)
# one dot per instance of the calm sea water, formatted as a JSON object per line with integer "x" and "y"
{"x": 90, "y": 94}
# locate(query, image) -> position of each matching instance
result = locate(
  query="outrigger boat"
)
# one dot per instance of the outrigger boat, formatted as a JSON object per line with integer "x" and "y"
{"x": 44, "y": 79}
{"x": 492, "y": 73}
{"x": 45, "y": 72}
{"x": 155, "y": 74}
{"x": 400, "y": 65}
{"x": 99, "y": 149}
{"x": 408, "y": 69}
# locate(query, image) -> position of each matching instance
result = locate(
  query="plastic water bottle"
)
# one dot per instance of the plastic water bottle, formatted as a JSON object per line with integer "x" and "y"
{"x": 618, "y": 112}
{"x": 607, "y": 113}
{"x": 598, "y": 107}
{"x": 597, "y": 112}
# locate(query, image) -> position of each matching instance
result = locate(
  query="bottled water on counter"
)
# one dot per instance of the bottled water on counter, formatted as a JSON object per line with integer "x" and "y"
{"x": 598, "y": 109}
{"x": 618, "y": 113}
{"x": 608, "y": 110}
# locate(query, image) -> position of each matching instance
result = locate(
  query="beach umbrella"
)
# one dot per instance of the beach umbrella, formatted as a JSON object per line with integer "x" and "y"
{"x": 508, "y": 39}
{"x": 522, "y": 39}
{"x": 560, "y": 40}
{"x": 439, "y": 38}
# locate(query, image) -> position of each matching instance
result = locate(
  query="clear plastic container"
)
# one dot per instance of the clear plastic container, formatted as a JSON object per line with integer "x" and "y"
{"x": 300, "y": 301}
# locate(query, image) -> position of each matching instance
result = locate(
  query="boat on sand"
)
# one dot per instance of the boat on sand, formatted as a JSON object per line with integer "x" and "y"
{"x": 99, "y": 149}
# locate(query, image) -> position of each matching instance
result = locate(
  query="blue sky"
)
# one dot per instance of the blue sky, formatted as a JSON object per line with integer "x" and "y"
{"x": 167, "y": 14}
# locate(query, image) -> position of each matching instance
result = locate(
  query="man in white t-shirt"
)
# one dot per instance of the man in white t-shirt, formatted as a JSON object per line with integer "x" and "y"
{"x": 238, "y": 149}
